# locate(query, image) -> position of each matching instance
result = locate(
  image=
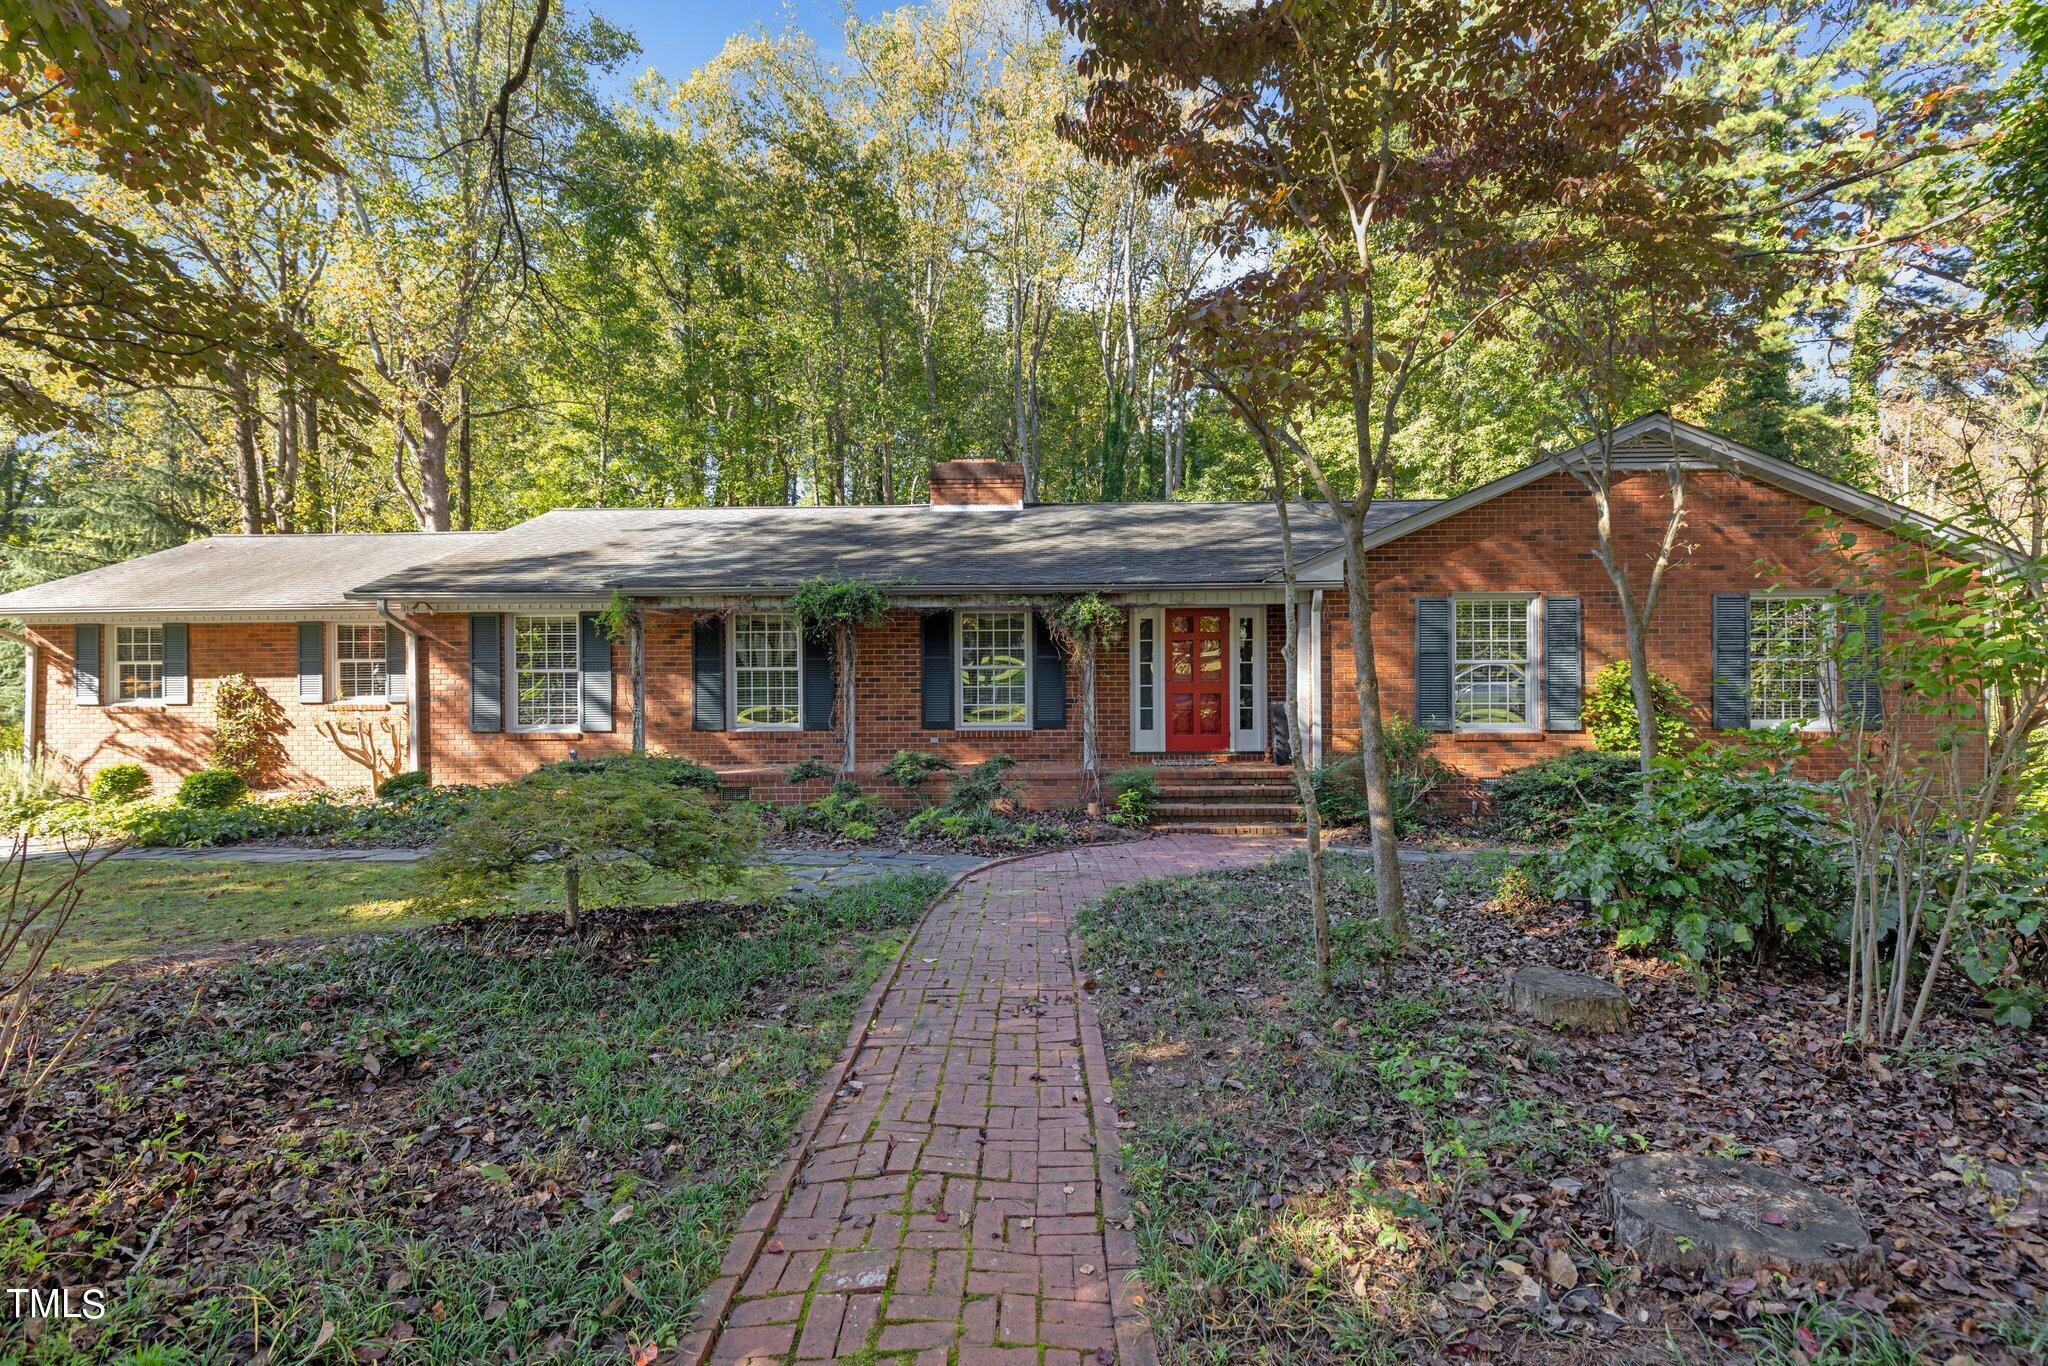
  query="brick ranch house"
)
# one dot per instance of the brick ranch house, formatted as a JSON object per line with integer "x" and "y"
{"x": 481, "y": 655}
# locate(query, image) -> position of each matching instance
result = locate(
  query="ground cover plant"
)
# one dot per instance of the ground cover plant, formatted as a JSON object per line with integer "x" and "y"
{"x": 482, "y": 1141}
{"x": 1402, "y": 1170}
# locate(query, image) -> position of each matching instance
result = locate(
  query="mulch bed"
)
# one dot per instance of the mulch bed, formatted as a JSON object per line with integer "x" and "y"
{"x": 1754, "y": 1067}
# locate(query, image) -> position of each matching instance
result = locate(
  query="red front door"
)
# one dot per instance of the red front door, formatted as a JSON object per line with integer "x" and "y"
{"x": 1197, "y": 683}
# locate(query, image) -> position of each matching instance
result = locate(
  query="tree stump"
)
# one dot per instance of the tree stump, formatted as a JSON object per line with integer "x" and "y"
{"x": 1679, "y": 1212}
{"x": 1576, "y": 1001}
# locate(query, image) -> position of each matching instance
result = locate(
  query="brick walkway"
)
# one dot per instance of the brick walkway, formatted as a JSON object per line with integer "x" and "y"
{"x": 951, "y": 1205}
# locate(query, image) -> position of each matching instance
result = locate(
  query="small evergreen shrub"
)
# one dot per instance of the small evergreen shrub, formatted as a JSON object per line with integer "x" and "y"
{"x": 1413, "y": 777}
{"x": 212, "y": 789}
{"x": 248, "y": 727}
{"x": 1537, "y": 802}
{"x": 807, "y": 771}
{"x": 117, "y": 783}
{"x": 1133, "y": 792}
{"x": 401, "y": 787}
{"x": 661, "y": 769}
{"x": 845, "y": 813}
{"x": 911, "y": 769}
{"x": 1609, "y": 712}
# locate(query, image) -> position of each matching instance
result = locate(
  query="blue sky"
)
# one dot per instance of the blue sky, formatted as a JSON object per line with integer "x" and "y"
{"x": 677, "y": 36}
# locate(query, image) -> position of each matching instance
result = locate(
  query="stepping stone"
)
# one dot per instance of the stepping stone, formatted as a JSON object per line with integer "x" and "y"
{"x": 1679, "y": 1212}
{"x": 1569, "y": 1000}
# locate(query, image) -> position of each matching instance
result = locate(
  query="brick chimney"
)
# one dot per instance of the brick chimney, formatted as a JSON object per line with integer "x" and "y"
{"x": 977, "y": 483}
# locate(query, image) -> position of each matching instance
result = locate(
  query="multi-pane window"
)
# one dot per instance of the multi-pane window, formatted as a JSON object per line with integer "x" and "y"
{"x": 1148, "y": 670}
{"x": 139, "y": 663}
{"x": 1490, "y": 663}
{"x": 995, "y": 653}
{"x": 767, "y": 671}
{"x": 545, "y": 664}
{"x": 1247, "y": 703}
{"x": 358, "y": 662}
{"x": 1788, "y": 661}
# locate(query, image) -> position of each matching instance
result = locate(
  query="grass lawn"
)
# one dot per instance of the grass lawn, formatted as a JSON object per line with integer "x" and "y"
{"x": 1404, "y": 1170}
{"x": 134, "y": 907}
{"x": 487, "y": 1141}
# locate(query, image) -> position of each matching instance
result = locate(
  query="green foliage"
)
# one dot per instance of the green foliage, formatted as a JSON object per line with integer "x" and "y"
{"x": 1727, "y": 857}
{"x": 845, "y": 813}
{"x": 248, "y": 726}
{"x": 613, "y": 823}
{"x": 662, "y": 769}
{"x": 1609, "y": 711}
{"x": 987, "y": 787}
{"x": 831, "y": 603}
{"x": 808, "y": 771}
{"x": 616, "y": 617}
{"x": 1089, "y": 621}
{"x": 1413, "y": 776}
{"x": 401, "y": 787}
{"x": 1133, "y": 792}
{"x": 316, "y": 816}
{"x": 212, "y": 789}
{"x": 1537, "y": 801}
{"x": 2003, "y": 948}
{"x": 117, "y": 783}
{"x": 911, "y": 769}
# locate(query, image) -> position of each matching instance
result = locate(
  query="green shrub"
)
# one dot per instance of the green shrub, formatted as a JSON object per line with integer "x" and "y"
{"x": 403, "y": 786}
{"x": 911, "y": 769}
{"x": 1725, "y": 857}
{"x": 1609, "y": 712}
{"x": 1413, "y": 777}
{"x": 2003, "y": 948}
{"x": 117, "y": 783}
{"x": 661, "y": 769}
{"x": 1537, "y": 802}
{"x": 616, "y": 823}
{"x": 807, "y": 771}
{"x": 986, "y": 787}
{"x": 212, "y": 789}
{"x": 1133, "y": 792}
{"x": 248, "y": 728}
{"x": 844, "y": 813}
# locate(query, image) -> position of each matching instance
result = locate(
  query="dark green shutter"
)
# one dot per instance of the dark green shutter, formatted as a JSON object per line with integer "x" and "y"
{"x": 486, "y": 672}
{"x": 594, "y": 663}
{"x": 394, "y": 664}
{"x": 1731, "y": 661}
{"x": 1048, "y": 679}
{"x": 1862, "y": 640}
{"x": 177, "y": 664}
{"x": 85, "y": 665}
{"x": 312, "y": 661}
{"x": 936, "y": 686}
{"x": 1564, "y": 668}
{"x": 817, "y": 684}
{"x": 707, "y": 673}
{"x": 1433, "y": 663}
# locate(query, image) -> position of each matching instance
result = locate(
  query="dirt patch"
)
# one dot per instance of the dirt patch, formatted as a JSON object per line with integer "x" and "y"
{"x": 1408, "y": 1166}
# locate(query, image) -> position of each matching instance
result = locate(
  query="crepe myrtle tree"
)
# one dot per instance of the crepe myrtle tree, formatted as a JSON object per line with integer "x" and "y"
{"x": 619, "y": 824}
{"x": 1084, "y": 626}
{"x": 1381, "y": 170}
{"x": 837, "y": 608}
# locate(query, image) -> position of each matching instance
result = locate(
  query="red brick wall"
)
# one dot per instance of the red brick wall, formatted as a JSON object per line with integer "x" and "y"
{"x": 171, "y": 741}
{"x": 1740, "y": 535}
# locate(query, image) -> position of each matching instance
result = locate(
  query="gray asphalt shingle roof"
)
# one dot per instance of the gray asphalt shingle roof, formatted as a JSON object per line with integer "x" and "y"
{"x": 1048, "y": 546}
{"x": 240, "y": 573}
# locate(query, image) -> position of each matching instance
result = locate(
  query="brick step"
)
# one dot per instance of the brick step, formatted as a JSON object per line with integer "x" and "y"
{"x": 1226, "y": 828}
{"x": 1229, "y": 771}
{"x": 1216, "y": 811}
{"x": 1203, "y": 792}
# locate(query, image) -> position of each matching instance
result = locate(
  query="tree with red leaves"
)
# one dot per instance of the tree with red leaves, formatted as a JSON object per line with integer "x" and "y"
{"x": 1390, "y": 175}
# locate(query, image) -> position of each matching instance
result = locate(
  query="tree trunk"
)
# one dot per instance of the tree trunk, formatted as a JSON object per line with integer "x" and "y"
{"x": 638, "y": 655}
{"x": 433, "y": 457}
{"x": 249, "y": 501}
{"x": 1372, "y": 754}
{"x": 463, "y": 466}
{"x": 572, "y": 906}
{"x": 1639, "y": 684}
{"x": 1091, "y": 764}
{"x": 846, "y": 665}
{"x": 1297, "y": 737}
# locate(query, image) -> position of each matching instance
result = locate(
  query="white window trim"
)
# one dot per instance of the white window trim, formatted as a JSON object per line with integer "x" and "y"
{"x": 110, "y": 667}
{"x": 1531, "y": 693}
{"x": 1250, "y": 741}
{"x": 960, "y": 671}
{"x": 732, "y": 677}
{"x": 1149, "y": 739}
{"x": 334, "y": 668}
{"x": 1829, "y": 719}
{"x": 508, "y": 701}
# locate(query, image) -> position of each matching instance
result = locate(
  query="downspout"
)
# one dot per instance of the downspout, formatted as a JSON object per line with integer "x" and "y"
{"x": 413, "y": 687}
{"x": 31, "y": 708}
{"x": 1315, "y": 617}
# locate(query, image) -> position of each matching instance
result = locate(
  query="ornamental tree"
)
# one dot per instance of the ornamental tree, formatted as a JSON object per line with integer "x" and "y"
{"x": 1083, "y": 626}
{"x": 834, "y": 608}
{"x": 1382, "y": 173}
